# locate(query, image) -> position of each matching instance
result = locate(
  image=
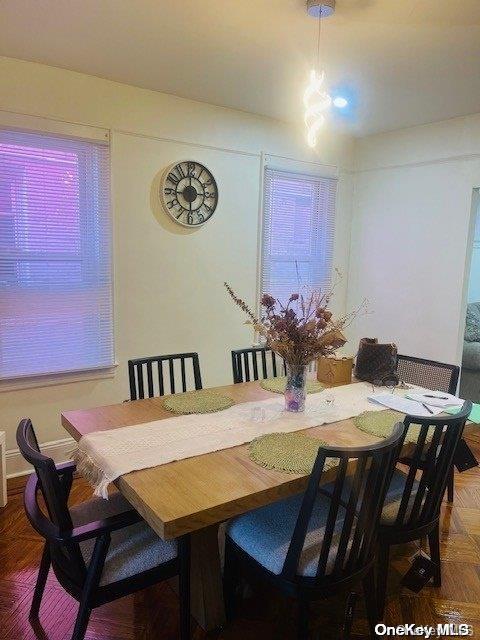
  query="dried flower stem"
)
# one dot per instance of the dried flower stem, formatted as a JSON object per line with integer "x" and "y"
{"x": 301, "y": 329}
{"x": 243, "y": 305}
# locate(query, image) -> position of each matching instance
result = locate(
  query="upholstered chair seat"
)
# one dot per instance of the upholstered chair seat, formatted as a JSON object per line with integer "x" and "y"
{"x": 265, "y": 534}
{"x": 132, "y": 550}
{"x": 394, "y": 498}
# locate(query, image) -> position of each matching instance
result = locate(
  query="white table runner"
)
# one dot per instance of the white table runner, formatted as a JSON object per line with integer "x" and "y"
{"x": 103, "y": 456}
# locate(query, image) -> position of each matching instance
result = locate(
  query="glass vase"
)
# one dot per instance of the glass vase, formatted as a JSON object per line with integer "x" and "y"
{"x": 295, "y": 389}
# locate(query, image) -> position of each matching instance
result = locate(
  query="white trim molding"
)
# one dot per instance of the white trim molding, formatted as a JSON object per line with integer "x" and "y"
{"x": 58, "y": 450}
{"x": 464, "y": 157}
{"x": 39, "y": 124}
{"x": 65, "y": 377}
{"x": 295, "y": 165}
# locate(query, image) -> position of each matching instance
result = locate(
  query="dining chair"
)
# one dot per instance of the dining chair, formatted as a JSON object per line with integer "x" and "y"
{"x": 412, "y": 504}
{"x": 147, "y": 374}
{"x": 313, "y": 545}
{"x": 436, "y": 376}
{"x": 100, "y": 550}
{"x": 254, "y": 363}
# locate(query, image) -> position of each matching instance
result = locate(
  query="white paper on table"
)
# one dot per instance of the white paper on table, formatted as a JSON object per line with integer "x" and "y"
{"x": 437, "y": 399}
{"x": 404, "y": 405}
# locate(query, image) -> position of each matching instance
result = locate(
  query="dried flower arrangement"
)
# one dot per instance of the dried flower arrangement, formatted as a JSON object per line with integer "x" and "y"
{"x": 300, "y": 330}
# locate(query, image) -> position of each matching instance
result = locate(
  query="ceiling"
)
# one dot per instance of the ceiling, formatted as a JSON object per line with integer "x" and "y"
{"x": 399, "y": 62}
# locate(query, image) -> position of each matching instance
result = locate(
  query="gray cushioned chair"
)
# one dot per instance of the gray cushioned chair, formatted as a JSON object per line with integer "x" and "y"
{"x": 132, "y": 550}
{"x": 100, "y": 550}
{"x": 412, "y": 509}
{"x": 316, "y": 544}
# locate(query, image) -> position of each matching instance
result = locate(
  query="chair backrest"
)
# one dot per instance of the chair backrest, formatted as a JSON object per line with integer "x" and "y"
{"x": 354, "y": 504}
{"x": 254, "y": 363}
{"x": 429, "y": 374}
{"x": 148, "y": 376}
{"x": 419, "y": 502}
{"x": 67, "y": 558}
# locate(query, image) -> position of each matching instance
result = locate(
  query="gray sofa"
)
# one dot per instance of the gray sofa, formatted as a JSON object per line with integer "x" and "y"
{"x": 470, "y": 378}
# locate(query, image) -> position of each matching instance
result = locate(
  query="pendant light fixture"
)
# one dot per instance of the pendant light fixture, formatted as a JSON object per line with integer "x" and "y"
{"x": 316, "y": 99}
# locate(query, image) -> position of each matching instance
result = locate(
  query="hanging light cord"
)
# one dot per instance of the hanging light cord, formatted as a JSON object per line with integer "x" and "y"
{"x": 316, "y": 99}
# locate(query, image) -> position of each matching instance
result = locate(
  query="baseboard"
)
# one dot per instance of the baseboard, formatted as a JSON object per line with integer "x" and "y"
{"x": 58, "y": 450}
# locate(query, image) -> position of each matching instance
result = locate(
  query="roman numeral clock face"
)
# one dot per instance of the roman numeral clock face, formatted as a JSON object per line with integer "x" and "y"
{"x": 189, "y": 193}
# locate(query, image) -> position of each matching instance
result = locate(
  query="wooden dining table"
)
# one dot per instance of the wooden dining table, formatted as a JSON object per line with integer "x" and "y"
{"x": 195, "y": 495}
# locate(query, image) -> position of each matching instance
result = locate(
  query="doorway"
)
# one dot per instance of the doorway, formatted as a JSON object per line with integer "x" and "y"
{"x": 470, "y": 378}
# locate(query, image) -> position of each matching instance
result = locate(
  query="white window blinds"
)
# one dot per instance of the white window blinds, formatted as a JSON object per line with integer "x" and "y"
{"x": 298, "y": 232}
{"x": 55, "y": 255}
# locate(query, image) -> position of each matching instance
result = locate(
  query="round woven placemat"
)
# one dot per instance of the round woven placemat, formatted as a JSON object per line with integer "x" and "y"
{"x": 289, "y": 452}
{"x": 197, "y": 402}
{"x": 380, "y": 424}
{"x": 277, "y": 385}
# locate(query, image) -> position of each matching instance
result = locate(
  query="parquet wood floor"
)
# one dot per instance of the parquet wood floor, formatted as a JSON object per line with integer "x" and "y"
{"x": 153, "y": 613}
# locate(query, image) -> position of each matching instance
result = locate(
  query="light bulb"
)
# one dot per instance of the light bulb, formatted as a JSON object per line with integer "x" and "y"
{"x": 340, "y": 102}
{"x": 316, "y": 101}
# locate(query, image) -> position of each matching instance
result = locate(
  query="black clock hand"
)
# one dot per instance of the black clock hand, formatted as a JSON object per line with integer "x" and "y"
{"x": 189, "y": 200}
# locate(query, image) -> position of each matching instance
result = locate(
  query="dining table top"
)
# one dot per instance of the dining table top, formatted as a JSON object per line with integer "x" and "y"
{"x": 191, "y": 494}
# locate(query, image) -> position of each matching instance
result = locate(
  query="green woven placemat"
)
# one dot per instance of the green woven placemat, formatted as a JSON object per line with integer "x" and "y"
{"x": 197, "y": 402}
{"x": 378, "y": 423}
{"x": 277, "y": 385}
{"x": 289, "y": 452}
{"x": 381, "y": 423}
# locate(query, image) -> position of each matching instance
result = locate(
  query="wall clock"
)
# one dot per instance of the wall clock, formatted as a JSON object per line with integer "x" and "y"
{"x": 189, "y": 193}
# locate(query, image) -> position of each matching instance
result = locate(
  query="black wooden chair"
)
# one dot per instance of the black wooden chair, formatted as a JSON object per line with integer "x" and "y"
{"x": 412, "y": 506}
{"x": 148, "y": 374}
{"x": 100, "y": 550}
{"x": 254, "y": 363}
{"x": 316, "y": 544}
{"x": 437, "y": 376}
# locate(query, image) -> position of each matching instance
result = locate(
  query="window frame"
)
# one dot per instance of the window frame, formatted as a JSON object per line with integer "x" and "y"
{"x": 94, "y": 135}
{"x": 295, "y": 169}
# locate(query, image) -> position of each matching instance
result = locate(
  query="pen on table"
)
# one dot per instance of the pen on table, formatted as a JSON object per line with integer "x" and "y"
{"x": 427, "y": 408}
{"x": 436, "y": 397}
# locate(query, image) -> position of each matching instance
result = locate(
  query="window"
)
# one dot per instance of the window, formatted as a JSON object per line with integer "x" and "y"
{"x": 298, "y": 232}
{"x": 55, "y": 255}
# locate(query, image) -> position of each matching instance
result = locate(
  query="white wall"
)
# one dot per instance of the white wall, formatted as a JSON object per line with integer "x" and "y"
{"x": 168, "y": 281}
{"x": 411, "y": 222}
